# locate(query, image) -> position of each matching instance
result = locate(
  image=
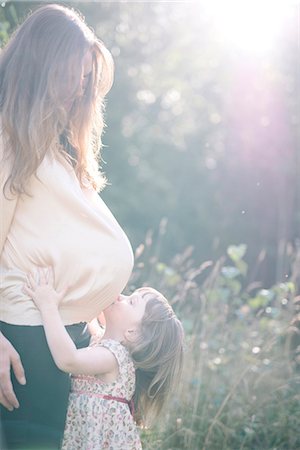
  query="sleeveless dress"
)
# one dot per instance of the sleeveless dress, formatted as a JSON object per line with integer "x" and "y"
{"x": 95, "y": 420}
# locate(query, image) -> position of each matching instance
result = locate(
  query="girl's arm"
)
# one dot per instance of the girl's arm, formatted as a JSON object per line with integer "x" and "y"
{"x": 86, "y": 361}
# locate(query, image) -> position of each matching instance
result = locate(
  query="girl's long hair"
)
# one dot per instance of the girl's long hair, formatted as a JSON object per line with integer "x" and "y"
{"x": 157, "y": 355}
{"x": 41, "y": 101}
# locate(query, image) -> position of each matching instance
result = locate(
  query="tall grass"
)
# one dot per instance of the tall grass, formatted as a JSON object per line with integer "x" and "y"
{"x": 240, "y": 388}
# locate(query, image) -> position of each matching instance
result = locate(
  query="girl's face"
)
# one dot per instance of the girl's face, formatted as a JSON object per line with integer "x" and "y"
{"x": 128, "y": 310}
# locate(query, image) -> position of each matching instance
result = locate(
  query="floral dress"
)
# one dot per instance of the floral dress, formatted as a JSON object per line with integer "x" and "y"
{"x": 98, "y": 416}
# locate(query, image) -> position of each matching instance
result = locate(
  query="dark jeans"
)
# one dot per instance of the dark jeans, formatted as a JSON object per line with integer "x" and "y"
{"x": 39, "y": 421}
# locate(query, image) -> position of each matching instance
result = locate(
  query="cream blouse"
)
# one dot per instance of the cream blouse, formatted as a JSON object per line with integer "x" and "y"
{"x": 67, "y": 228}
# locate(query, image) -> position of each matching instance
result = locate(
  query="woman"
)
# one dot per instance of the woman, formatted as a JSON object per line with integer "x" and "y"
{"x": 54, "y": 74}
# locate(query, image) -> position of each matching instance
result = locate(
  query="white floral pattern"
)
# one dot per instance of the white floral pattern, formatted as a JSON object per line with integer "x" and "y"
{"x": 95, "y": 423}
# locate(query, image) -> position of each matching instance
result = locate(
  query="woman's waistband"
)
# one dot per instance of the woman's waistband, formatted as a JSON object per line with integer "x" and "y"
{"x": 78, "y": 332}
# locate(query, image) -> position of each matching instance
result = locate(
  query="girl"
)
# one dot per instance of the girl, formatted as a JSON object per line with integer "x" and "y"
{"x": 127, "y": 374}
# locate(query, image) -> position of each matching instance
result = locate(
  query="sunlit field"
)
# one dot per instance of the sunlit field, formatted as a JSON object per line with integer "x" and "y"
{"x": 240, "y": 383}
{"x": 202, "y": 155}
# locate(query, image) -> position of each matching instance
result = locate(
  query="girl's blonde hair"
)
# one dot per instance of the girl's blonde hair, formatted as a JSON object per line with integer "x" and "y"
{"x": 40, "y": 75}
{"x": 157, "y": 355}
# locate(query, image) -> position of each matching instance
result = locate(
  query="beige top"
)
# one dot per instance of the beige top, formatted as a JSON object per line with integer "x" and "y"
{"x": 67, "y": 228}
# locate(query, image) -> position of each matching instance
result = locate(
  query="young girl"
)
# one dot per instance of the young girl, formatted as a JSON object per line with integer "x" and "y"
{"x": 124, "y": 376}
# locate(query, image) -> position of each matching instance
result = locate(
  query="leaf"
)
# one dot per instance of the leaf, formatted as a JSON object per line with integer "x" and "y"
{"x": 230, "y": 272}
{"x": 242, "y": 266}
{"x": 236, "y": 252}
{"x": 160, "y": 267}
{"x": 263, "y": 297}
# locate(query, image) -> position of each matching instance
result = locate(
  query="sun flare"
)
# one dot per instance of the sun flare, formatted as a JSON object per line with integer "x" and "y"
{"x": 251, "y": 25}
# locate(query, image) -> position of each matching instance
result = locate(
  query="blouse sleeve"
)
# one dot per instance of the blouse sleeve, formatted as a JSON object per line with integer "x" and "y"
{"x": 8, "y": 202}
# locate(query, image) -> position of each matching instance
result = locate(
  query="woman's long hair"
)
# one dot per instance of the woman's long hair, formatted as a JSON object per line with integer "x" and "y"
{"x": 41, "y": 100}
{"x": 158, "y": 358}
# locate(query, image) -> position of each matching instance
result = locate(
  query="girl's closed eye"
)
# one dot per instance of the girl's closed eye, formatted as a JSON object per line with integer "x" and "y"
{"x": 134, "y": 300}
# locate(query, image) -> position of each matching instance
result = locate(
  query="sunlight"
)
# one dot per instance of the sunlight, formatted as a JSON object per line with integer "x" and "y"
{"x": 251, "y": 25}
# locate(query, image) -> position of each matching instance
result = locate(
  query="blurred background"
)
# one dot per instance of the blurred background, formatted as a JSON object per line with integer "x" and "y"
{"x": 203, "y": 161}
{"x": 203, "y": 123}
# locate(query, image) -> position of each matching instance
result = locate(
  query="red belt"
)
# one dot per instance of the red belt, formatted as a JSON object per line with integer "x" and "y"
{"x": 130, "y": 403}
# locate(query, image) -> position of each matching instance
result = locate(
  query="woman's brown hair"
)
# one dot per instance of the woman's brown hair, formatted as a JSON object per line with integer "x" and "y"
{"x": 41, "y": 103}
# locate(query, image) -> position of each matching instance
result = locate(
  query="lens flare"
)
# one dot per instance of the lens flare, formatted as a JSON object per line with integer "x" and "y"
{"x": 253, "y": 25}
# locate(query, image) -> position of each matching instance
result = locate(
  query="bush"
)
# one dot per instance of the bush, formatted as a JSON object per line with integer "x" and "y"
{"x": 240, "y": 386}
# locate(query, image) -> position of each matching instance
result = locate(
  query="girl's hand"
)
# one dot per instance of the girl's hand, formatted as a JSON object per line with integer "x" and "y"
{"x": 41, "y": 289}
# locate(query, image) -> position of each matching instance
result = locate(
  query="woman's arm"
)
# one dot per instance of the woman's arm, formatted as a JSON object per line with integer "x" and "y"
{"x": 9, "y": 358}
{"x": 86, "y": 361}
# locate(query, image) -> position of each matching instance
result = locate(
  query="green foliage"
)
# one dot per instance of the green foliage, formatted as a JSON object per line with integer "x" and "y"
{"x": 240, "y": 386}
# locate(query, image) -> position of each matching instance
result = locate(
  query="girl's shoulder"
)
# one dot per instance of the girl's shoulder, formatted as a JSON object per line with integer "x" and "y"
{"x": 119, "y": 351}
{"x": 115, "y": 347}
